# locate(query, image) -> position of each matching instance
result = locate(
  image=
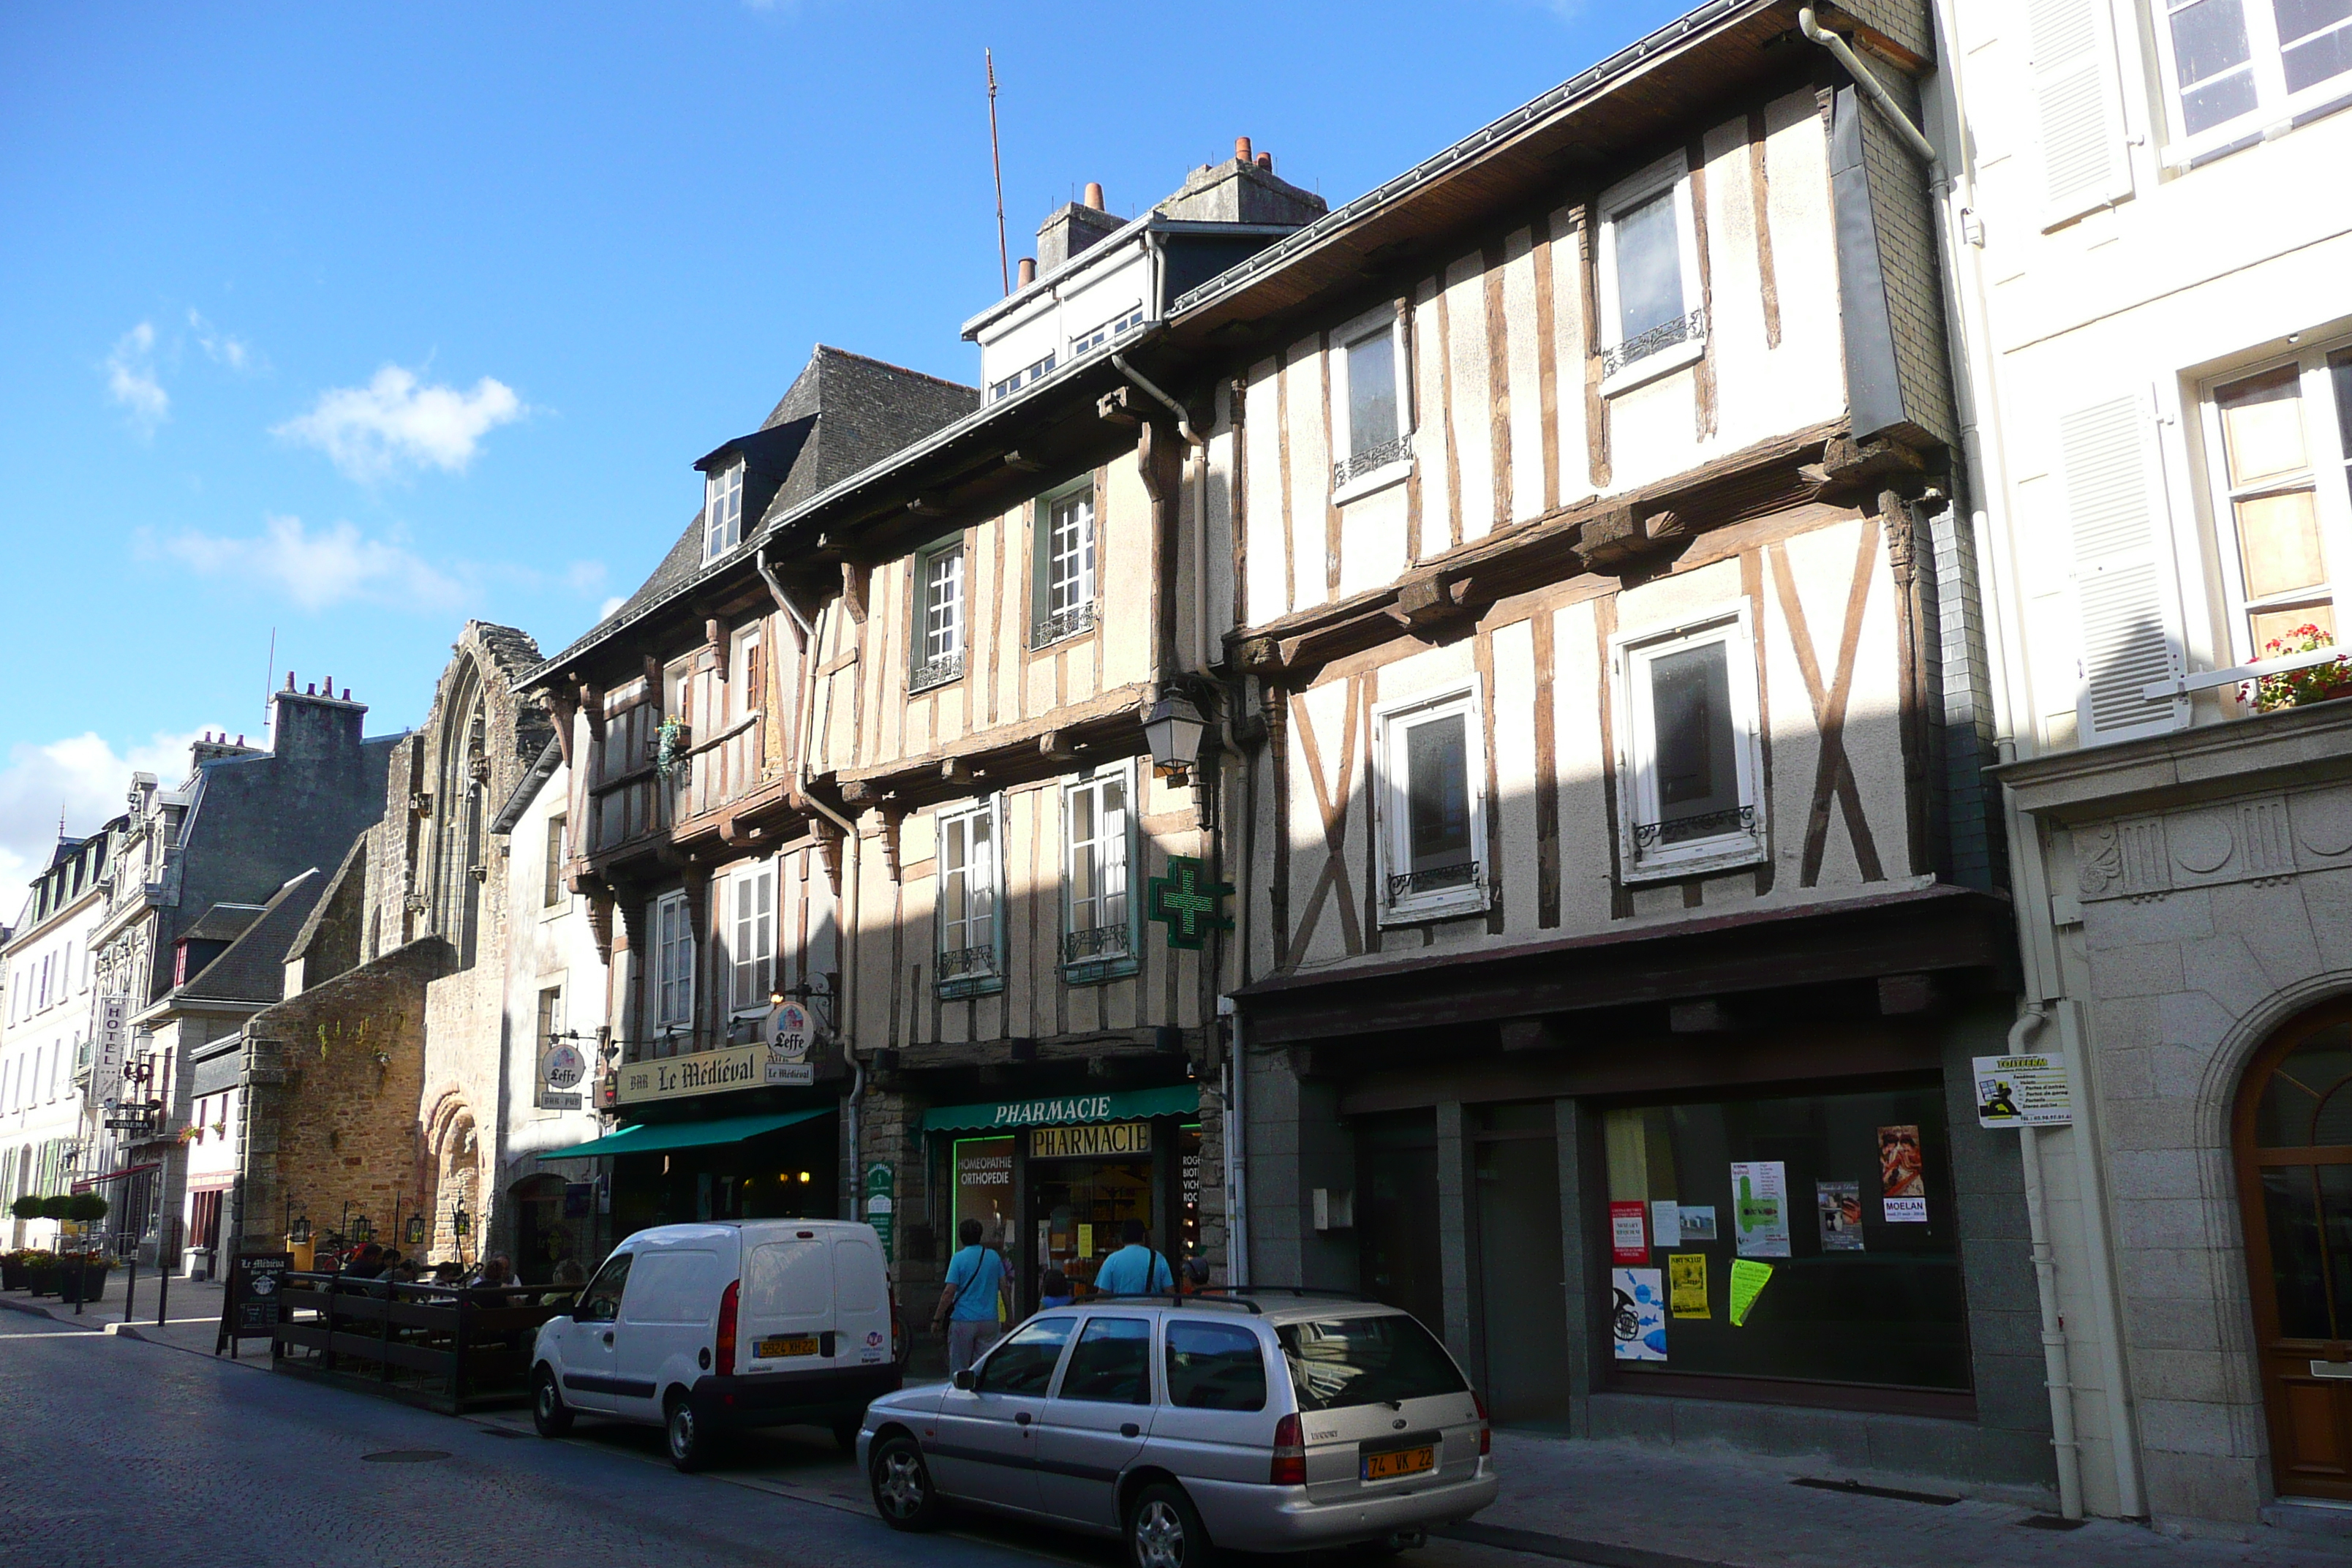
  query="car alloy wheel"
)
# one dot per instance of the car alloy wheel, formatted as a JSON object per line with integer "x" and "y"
{"x": 1164, "y": 1532}
{"x": 902, "y": 1485}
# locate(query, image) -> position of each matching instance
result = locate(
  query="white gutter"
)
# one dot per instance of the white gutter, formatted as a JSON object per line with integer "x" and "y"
{"x": 2055, "y": 1368}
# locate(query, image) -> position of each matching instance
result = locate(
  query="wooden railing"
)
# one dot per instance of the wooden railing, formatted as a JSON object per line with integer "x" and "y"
{"x": 454, "y": 1349}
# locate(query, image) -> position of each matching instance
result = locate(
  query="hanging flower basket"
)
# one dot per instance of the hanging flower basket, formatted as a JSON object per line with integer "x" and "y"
{"x": 2297, "y": 688}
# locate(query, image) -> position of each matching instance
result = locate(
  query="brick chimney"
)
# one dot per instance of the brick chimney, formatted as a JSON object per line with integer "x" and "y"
{"x": 1073, "y": 227}
{"x": 315, "y": 725}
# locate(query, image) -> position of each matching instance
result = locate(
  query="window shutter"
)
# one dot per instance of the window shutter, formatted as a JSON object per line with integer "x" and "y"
{"x": 2124, "y": 590}
{"x": 2083, "y": 164}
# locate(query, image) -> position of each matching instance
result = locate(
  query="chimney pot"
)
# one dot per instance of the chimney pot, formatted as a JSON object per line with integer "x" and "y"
{"x": 1095, "y": 195}
{"x": 289, "y": 680}
{"x": 1265, "y": 161}
{"x": 1028, "y": 272}
{"x": 312, "y": 690}
{"x": 1242, "y": 148}
{"x": 347, "y": 694}
{"x": 240, "y": 739}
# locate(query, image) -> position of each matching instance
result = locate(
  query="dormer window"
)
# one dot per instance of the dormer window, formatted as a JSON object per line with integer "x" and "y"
{"x": 722, "y": 511}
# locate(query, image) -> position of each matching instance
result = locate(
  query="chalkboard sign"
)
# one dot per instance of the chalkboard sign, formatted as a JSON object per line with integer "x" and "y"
{"x": 252, "y": 1305}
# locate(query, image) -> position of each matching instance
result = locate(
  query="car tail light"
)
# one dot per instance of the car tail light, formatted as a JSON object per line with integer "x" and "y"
{"x": 727, "y": 1328}
{"x": 1486, "y": 1434}
{"x": 1289, "y": 1467}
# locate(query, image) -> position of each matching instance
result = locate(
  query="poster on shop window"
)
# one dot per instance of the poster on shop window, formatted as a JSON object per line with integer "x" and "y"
{"x": 1839, "y": 1205}
{"x": 1902, "y": 1177}
{"x": 1760, "y": 1207}
{"x": 1638, "y": 1315}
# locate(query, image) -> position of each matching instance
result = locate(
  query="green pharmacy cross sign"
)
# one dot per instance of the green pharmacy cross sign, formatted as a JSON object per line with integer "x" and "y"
{"x": 1189, "y": 907}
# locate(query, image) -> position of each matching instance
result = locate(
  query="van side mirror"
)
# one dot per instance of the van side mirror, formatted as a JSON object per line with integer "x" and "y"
{"x": 963, "y": 1379}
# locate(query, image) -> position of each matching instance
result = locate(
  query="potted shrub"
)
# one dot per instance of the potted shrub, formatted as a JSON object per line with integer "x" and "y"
{"x": 27, "y": 1208}
{"x": 86, "y": 1208}
{"x": 57, "y": 1207}
{"x": 91, "y": 1267}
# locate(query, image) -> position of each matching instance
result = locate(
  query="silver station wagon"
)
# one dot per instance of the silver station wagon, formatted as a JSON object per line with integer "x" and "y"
{"x": 1260, "y": 1421}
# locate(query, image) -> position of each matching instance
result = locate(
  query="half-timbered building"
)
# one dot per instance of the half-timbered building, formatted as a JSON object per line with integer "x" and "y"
{"x": 1621, "y": 915}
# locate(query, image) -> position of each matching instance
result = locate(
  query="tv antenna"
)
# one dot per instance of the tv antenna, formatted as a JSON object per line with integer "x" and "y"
{"x": 996, "y": 160}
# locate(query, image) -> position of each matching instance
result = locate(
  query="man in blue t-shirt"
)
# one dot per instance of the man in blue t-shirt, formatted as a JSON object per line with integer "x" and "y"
{"x": 968, "y": 1304}
{"x": 1134, "y": 1269}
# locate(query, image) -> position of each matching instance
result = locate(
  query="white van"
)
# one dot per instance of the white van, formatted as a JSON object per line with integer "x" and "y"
{"x": 700, "y": 1328}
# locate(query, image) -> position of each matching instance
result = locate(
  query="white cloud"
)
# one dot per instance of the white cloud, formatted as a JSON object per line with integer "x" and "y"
{"x": 83, "y": 776}
{"x": 131, "y": 380}
{"x": 394, "y": 422}
{"x": 221, "y": 348}
{"x": 322, "y": 569}
{"x": 604, "y": 611}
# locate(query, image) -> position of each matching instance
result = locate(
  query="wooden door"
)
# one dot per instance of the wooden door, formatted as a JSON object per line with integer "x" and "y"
{"x": 2295, "y": 1177}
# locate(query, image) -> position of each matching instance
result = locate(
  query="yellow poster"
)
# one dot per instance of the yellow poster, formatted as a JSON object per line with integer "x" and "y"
{"x": 1748, "y": 1278}
{"x": 1086, "y": 1240}
{"x": 1687, "y": 1283}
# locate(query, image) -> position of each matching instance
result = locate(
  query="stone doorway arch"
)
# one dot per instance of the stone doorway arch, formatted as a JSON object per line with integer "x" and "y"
{"x": 2293, "y": 1140}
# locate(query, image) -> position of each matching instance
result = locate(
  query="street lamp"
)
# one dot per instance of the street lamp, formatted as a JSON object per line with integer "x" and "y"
{"x": 363, "y": 1230}
{"x": 1173, "y": 728}
{"x": 415, "y": 1232}
{"x": 299, "y": 1231}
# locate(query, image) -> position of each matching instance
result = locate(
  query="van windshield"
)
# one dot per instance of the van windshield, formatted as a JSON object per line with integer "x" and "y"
{"x": 1337, "y": 1363}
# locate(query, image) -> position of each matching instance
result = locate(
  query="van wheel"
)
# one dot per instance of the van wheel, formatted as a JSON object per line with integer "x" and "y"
{"x": 903, "y": 1494}
{"x": 689, "y": 1448}
{"x": 1164, "y": 1530}
{"x": 548, "y": 1414}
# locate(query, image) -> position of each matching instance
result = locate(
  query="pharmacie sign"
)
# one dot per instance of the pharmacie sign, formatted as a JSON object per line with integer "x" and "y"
{"x": 1094, "y": 1141}
{"x": 706, "y": 1072}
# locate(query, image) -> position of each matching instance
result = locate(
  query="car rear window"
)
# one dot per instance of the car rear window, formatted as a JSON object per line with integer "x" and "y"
{"x": 1214, "y": 1366}
{"x": 1337, "y": 1363}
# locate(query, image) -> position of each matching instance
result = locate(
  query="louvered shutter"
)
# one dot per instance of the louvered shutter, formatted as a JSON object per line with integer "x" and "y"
{"x": 2084, "y": 162}
{"x": 2124, "y": 590}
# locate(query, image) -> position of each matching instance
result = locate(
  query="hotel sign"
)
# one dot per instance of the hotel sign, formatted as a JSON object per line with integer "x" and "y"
{"x": 1099, "y": 1140}
{"x": 755, "y": 1066}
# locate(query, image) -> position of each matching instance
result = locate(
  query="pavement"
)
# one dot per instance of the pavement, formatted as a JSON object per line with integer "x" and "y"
{"x": 1609, "y": 1505}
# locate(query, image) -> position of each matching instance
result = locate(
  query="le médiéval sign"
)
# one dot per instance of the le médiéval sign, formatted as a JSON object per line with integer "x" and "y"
{"x": 757, "y": 1065}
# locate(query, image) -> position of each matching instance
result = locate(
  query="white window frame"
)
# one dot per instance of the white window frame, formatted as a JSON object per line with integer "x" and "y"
{"x": 722, "y": 510}
{"x": 1392, "y": 827}
{"x": 744, "y": 645}
{"x": 2275, "y": 107}
{"x": 2329, "y": 475}
{"x": 989, "y": 879}
{"x": 1116, "y": 856}
{"x": 1348, "y": 483}
{"x": 1630, "y": 656}
{"x": 1670, "y": 173}
{"x": 553, "y": 896}
{"x": 1046, "y": 625}
{"x": 673, "y": 967}
{"x": 1024, "y": 376}
{"x": 751, "y": 938}
{"x": 1119, "y": 326}
{"x": 936, "y": 661}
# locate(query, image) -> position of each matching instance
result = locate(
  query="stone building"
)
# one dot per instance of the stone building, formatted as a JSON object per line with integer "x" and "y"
{"x": 408, "y": 959}
{"x": 194, "y": 868}
{"x": 2154, "y": 284}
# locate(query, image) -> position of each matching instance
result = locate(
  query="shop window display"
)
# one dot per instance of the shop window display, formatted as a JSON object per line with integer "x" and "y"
{"x": 1807, "y": 1238}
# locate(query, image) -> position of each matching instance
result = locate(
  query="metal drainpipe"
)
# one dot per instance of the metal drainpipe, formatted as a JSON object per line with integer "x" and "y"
{"x": 2056, "y": 1372}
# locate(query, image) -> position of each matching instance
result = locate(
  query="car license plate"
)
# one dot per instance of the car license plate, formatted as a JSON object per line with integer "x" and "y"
{"x": 1400, "y": 1462}
{"x": 795, "y": 1344}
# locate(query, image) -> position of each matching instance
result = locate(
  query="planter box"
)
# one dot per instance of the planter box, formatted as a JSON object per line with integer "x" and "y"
{"x": 93, "y": 1283}
{"x": 14, "y": 1276}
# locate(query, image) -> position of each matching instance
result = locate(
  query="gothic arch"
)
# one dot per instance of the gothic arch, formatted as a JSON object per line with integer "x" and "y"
{"x": 461, "y": 812}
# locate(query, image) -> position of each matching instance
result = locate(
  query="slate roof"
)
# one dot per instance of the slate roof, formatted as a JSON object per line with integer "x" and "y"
{"x": 858, "y": 411}
{"x": 254, "y": 967}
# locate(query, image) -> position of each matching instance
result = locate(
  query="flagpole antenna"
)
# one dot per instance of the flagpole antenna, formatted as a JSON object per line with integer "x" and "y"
{"x": 996, "y": 162}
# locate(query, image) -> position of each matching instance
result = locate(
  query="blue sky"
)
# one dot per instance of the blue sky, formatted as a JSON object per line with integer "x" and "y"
{"x": 354, "y": 322}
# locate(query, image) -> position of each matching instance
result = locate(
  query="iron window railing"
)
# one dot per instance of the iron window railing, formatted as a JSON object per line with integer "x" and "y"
{"x": 967, "y": 962}
{"x": 936, "y": 672}
{"x": 1062, "y": 624}
{"x": 1102, "y": 942}
{"x": 1432, "y": 880}
{"x": 1372, "y": 460}
{"x": 1665, "y": 335}
{"x": 1705, "y": 824}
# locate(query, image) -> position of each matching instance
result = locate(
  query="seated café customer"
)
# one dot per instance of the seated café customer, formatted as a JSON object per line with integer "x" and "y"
{"x": 569, "y": 1279}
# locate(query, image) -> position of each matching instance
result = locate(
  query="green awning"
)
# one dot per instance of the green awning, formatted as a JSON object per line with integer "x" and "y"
{"x": 648, "y": 1138}
{"x": 1066, "y": 1110}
